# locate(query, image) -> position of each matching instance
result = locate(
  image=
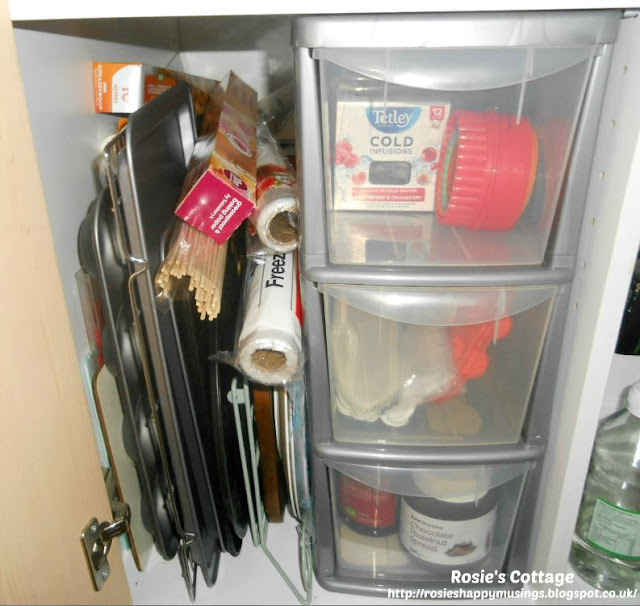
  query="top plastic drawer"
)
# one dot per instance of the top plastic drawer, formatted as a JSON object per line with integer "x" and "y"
{"x": 446, "y": 140}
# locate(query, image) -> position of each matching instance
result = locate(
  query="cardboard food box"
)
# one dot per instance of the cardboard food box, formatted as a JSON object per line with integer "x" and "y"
{"x": 386, "y": 156}
{"x": 122, "y": 88}
{"x": 219, "y": 190}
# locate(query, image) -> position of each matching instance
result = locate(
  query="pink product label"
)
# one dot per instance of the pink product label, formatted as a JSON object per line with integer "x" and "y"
{"x": 438, "y": 112}
{"x": 214, "y": 207}
{"x": 389, "y": 194}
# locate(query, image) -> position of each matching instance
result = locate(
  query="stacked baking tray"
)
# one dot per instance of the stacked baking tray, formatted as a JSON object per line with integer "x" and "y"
{"x": 442, "y": 161}
{"x": 177, "y": 425}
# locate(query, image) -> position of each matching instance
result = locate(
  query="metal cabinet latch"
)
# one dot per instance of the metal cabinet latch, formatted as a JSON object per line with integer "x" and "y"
{"x": 97, "y": 537}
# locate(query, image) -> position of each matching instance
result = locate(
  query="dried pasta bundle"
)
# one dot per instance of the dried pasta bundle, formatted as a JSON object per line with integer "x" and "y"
{"x": 202, "y": 259}
{"x": 217, "y": 194}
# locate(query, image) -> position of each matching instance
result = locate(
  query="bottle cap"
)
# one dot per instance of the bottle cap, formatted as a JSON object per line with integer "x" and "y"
{"x": 633, "y": 403}
{"x": 465, "y": 498}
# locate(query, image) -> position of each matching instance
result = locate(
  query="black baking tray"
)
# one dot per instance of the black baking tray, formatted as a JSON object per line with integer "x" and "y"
{"x": 192, "y": 334}
{"x": 151, "y": 167}
{"x": 209, "y": 383}
{"x": 223, "y": 436}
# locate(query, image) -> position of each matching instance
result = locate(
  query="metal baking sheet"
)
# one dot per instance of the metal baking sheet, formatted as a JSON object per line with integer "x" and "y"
{"x": 151, "y": 166}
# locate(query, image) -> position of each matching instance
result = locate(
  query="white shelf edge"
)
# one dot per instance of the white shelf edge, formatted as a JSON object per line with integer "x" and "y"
{"x": 26, "y": 10}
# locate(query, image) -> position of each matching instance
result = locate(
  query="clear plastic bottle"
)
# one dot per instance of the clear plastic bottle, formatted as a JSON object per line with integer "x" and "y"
{"x": 606, "y": 545}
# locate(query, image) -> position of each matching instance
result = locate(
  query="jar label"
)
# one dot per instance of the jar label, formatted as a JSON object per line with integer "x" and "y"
{"x": 615, "y": 530}
{"x": 366, "y": 505}
{"x": 446, "y": 542}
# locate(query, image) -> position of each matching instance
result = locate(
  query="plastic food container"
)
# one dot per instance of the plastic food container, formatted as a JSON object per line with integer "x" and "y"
{"x": 433, "y": 366}
{"x": 488, "y": 170}
{"x": 448, "y": 157}
{"x": 448, "y": 518}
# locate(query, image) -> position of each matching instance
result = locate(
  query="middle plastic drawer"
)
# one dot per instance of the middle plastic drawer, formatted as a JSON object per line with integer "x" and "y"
{"x": 433, "y": 366}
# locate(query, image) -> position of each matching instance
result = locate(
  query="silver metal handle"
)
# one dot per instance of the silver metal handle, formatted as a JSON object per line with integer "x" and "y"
{"x": 120, "y": 524}
{"x": 97, "y": 538}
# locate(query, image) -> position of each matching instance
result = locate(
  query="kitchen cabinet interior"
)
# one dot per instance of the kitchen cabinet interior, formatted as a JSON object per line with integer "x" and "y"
{"x": 54, "y": 63}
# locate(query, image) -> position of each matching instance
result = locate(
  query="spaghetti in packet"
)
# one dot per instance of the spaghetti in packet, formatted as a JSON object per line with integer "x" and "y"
{"x": 269, "y": 346}
{"x": 216, "y": 168}
{"x": 219, "y": 190}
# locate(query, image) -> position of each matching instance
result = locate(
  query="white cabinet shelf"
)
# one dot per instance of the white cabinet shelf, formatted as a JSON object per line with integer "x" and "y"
{"x": 75, "y": 9}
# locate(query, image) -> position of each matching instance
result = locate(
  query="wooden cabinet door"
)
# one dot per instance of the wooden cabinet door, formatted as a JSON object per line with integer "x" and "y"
{"x": 49, "y": 468}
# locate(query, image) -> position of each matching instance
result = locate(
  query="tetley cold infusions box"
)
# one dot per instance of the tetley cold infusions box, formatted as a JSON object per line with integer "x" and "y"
{"x": 387, "y": 155}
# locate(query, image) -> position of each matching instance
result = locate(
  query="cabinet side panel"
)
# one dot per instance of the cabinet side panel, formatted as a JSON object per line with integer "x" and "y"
{"x": 52, "y": 482}
{"x": 58, "y": 85}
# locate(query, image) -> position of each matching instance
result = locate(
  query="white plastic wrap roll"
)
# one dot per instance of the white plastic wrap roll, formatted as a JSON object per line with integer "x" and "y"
{"x": 270, "y": 344}
{"x": 276, "y": 215}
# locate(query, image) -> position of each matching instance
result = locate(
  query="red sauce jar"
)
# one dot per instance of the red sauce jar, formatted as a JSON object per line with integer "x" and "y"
{"x": 365, "y": 509}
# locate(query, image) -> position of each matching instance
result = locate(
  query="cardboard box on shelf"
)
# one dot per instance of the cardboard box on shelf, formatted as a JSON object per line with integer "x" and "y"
{"x": 122, "y": 88}
{"x": 386, "y": 156}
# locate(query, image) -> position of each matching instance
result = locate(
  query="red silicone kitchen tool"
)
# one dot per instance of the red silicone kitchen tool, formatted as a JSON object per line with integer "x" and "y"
{"x": 469, "y": 345}
{"x": 489, "y": 163}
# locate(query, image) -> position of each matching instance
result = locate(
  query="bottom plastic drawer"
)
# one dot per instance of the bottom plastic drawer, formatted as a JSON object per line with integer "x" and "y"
{"x": 396, "y": 524}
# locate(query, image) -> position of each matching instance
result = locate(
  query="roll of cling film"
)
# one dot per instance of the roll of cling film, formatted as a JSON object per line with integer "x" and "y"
{"x": 275, "y": 218}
